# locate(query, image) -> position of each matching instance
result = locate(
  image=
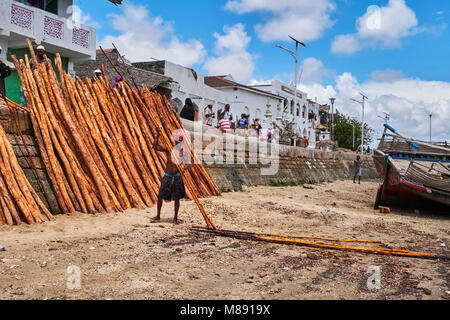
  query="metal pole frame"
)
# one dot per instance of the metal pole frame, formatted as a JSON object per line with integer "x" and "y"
{"x": 362, "y": 129}
{"x": 332, "y": 117}
{"x": 353, "y": 135}
{"x": 295, "y": 83}
{"x": 295, "y": 56}
{"x": 362, "y": 123}
{"x": 430, "y": 127}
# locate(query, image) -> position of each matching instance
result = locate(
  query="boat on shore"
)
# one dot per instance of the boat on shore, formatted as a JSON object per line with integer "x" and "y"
{"x": 415, "y": 174}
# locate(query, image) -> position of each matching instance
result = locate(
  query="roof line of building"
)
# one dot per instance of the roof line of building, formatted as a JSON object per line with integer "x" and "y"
{"x": 230, "y": 84}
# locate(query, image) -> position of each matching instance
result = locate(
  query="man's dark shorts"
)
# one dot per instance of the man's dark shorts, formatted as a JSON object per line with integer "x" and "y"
{"x": 172, "y": 188}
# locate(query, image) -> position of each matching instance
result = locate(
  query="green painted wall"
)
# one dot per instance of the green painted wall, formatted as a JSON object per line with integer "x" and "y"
{"x": 12, "y": 83}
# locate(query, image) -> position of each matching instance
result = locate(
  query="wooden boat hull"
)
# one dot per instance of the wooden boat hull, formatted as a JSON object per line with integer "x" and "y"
{"x": 414, "y": 173}
{"x": 399, "y": 192}
{"x": 378, "y": 160}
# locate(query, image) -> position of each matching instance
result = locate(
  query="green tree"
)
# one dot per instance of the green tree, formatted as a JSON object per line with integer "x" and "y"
{"x": 343, "y": 132}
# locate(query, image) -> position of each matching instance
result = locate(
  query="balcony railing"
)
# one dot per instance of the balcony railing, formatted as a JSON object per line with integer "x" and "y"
{"x": 17, "y": 19}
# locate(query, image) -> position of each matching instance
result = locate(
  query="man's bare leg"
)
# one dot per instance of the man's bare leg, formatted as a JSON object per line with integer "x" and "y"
{"x": 158, "y": 210}
{"x": 177, "y": 208}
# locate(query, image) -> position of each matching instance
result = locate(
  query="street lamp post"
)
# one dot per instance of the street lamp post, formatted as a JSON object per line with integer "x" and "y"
{"x": 362, "y": 123}
{"x": 430, "y": 127}
{"x": 332, "y": 117}
{"x": 295, "y": 56}
{"x": 353, "y": 136}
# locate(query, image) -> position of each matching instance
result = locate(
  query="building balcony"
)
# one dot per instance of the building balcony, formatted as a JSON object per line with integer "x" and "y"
{"x": 58, "y": 34}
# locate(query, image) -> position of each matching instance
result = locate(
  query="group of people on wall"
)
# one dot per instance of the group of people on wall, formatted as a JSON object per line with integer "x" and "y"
{"x": 225, "y": 121}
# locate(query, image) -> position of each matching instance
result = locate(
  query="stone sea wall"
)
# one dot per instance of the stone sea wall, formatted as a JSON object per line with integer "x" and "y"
{"x": 244, "y": 165}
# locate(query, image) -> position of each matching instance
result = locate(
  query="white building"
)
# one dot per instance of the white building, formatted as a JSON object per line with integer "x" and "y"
{"x": 190, "y": 84}
{"x": 52, "y": 27}
{"x": 251, "y": 101}
{"x": 312, "y": 121}
{"x": 49, "y": 24}
{"x": 302, "y": 111}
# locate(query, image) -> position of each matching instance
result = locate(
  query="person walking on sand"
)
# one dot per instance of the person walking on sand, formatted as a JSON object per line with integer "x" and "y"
{"x": 357, "y": 169}
{"x": 172, "y": 186}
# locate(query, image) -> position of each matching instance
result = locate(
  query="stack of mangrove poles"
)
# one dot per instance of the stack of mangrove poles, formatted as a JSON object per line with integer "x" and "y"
{"x": 96, "y": 141}
{"x": 18, "y": 200}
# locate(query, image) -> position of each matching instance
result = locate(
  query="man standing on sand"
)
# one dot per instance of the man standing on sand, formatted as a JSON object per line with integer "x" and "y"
{"x": 357, "y": 169}
{"x": 172, "y": 186}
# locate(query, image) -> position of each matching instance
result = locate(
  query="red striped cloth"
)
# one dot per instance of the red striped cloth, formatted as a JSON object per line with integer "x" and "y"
{"x": 224, "y": 124}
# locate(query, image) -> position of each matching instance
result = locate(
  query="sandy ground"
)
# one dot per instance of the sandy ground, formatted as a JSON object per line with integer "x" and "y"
{"x": 125, "y": 256}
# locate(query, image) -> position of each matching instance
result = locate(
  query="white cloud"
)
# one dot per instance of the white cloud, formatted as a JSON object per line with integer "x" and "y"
{"x": 81, "y": 17}
{"x": 345, "y": 44}
{"x": 154, "y": 36}
{"x": 385, "y": 26}
{"x": 303, "y": 19}
{"x": 408, "y": 101}
{"x": 255, "y": 82}
{"x": 313, "y": 71}
{"x": 232, "y": 56}
{"x": 387, "y": 75}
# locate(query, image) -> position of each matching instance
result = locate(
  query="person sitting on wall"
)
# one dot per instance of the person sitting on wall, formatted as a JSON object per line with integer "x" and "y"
{"x": 188, "y": 111}
{"x": 305, "y": 142}
{"x": 5, "y": 72}
{"x": 256, "y": 126}
{"x": 224, "y": 123}
{"x": 227, "y": 113}
{"x": 208, "y": 116}
{"x": 243, "y": 122}
{"x": 266, "y": 135}
{"x": 118, "y": 80}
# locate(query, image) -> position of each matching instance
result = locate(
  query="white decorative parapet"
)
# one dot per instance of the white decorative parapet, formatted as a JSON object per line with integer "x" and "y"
{"x": 22, "y": 21}
{"x": 80, "y": 37}
{"x": 22, "y": 17}
{"x": 53, "y": 28}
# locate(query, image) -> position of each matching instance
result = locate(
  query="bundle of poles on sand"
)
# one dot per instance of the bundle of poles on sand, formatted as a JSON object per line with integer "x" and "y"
{"x": 96, "y": 141}
{"x": 19, "y": 202}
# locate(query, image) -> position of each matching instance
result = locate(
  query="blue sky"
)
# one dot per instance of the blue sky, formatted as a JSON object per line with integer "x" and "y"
{"x": 424, "y": 55}
{"x": 402, "y": 62}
